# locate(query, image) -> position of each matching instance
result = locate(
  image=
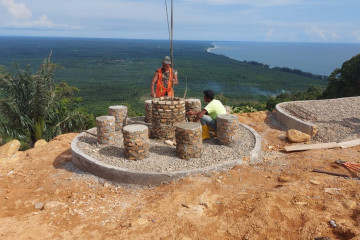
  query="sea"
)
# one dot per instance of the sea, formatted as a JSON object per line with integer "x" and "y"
{"x": 316, "y": 58}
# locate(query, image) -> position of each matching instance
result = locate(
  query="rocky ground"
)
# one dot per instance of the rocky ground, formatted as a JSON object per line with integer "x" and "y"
{"x": 42, "y": 196}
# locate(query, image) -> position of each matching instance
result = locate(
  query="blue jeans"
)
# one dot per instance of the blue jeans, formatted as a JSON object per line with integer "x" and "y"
{"x": 207, "y": 120}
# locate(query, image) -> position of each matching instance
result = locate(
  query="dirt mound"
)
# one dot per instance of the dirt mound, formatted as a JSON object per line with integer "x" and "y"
{"x": 44, "y": 196}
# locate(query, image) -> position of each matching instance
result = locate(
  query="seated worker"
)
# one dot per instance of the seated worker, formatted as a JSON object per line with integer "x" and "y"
{"x": 164, "y": 78}
{"x": 209, "y": 114}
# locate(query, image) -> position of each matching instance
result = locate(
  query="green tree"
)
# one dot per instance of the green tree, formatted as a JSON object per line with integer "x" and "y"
{"x": 32, "y": 106}
{"x": 312, "y": 93}
{"x": 344, "y": 82}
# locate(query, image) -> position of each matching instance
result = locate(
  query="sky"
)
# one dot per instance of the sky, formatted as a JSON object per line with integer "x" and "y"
{"x": 213, "y": 20}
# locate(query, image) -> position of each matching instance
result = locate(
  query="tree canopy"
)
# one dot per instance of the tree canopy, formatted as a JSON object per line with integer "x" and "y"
{"x": 344, "y": 82}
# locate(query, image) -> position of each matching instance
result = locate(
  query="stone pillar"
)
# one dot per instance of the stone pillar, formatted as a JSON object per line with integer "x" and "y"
{"x": 166, "y": 112}
{"x": 148, "y": 111}
{"x": 188, "y": 140}
{"x": 228, "y": 109}
{"x": 192, "y": 104}
{"x": 228, "y": 126}
{"x": 120, "y": 114}
{"x": 136, "y": 142}
{"x": 105, "y": 129}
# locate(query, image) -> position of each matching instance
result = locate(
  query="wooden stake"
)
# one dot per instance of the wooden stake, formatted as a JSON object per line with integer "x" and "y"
{"x": 331, "y": 173}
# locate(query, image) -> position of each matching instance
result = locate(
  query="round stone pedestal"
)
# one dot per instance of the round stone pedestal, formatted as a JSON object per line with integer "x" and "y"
{"x": 136, "y": 141}
{"x": 148, "y": 111}
{"x": 120, "y": 114}
{"x": 105, "y": 129}
{"x": 227, "y": 131}
{"x": 166, "y": 112}
{"x": 194, "y": 105}
{"x": 188, "y": 140}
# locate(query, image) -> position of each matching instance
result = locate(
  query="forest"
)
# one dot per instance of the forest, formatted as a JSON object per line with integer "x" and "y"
{"x": 50, "y": 86}
{"x": 119, "y": 71}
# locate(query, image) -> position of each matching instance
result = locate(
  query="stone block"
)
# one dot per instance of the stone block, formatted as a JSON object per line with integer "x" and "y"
{"x": 40, "y": 143}
{"x": 296, "y": 136}
{"x": 9, "y": 148}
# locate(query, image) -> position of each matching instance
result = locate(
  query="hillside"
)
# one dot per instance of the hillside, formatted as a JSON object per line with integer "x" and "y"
{"x": 118, "y": 71}
{"x": 44, "y": 195}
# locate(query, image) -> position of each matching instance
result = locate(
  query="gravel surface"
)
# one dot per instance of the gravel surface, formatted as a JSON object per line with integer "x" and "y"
{"x": 337, "y": 120}
{"x": 163, "y": 157}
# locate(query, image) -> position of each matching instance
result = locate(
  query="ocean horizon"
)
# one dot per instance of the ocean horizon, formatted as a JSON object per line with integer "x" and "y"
{"x": 316, "y": 58}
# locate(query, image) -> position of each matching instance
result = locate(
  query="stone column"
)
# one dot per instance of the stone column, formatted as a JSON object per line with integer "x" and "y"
{"x": 166, "y": 112}
{"x": 228, "y": 126}
{"x": 188, "y": 140}
{"x": 136, "y": 142}
{"x": 120, "y": 114}
{"x": 148, "y": 111}
{"x": 105, "y": 129}
{"x": 192, "y": 104}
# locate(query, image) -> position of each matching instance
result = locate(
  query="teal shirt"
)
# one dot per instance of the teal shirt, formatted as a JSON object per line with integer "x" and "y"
{"x": 214, "y": 108}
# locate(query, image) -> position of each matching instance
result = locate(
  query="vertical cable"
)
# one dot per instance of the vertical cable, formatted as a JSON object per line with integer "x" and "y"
{"x": 172, "y": 36}
{"x": 167, "y": 18}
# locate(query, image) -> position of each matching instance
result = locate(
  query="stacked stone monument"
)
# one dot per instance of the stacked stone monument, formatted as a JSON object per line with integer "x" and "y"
{"x": 166, "y": 112}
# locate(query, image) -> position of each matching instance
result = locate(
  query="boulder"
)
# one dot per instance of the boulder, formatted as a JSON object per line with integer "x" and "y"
{"x": 9, "y": 149}
{"x": 40, "y": 143}
{"x": 296, "y": 136}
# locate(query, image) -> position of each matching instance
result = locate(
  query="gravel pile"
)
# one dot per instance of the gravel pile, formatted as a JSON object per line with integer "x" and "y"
{"x": 163, "y": 157}
{"x": 338, "y": 120}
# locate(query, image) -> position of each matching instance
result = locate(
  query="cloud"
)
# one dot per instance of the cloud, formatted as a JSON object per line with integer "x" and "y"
{"x": 258, "y": 3}
{"x": 22, "y": 17}
{"x": 41, "y": 23}
{"x": 269, "y": 34}
{"x": 17, "y": 10}
{"x": 356, "y": 35}
{"x": 317, "y": 32}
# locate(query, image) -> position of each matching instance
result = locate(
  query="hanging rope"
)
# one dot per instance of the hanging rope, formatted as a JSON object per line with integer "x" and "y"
{"x": 171, "y": 32}
{"x": 172, "y": 35}
{"x": 167, "y": 18}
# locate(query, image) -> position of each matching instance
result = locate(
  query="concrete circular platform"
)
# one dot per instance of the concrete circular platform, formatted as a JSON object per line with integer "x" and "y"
{"x": 127, "y": 176}
{"x": 292, "y": 122}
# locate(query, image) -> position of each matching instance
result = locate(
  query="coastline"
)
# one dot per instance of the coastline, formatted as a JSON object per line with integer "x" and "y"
{"x": 211, "y": 48}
